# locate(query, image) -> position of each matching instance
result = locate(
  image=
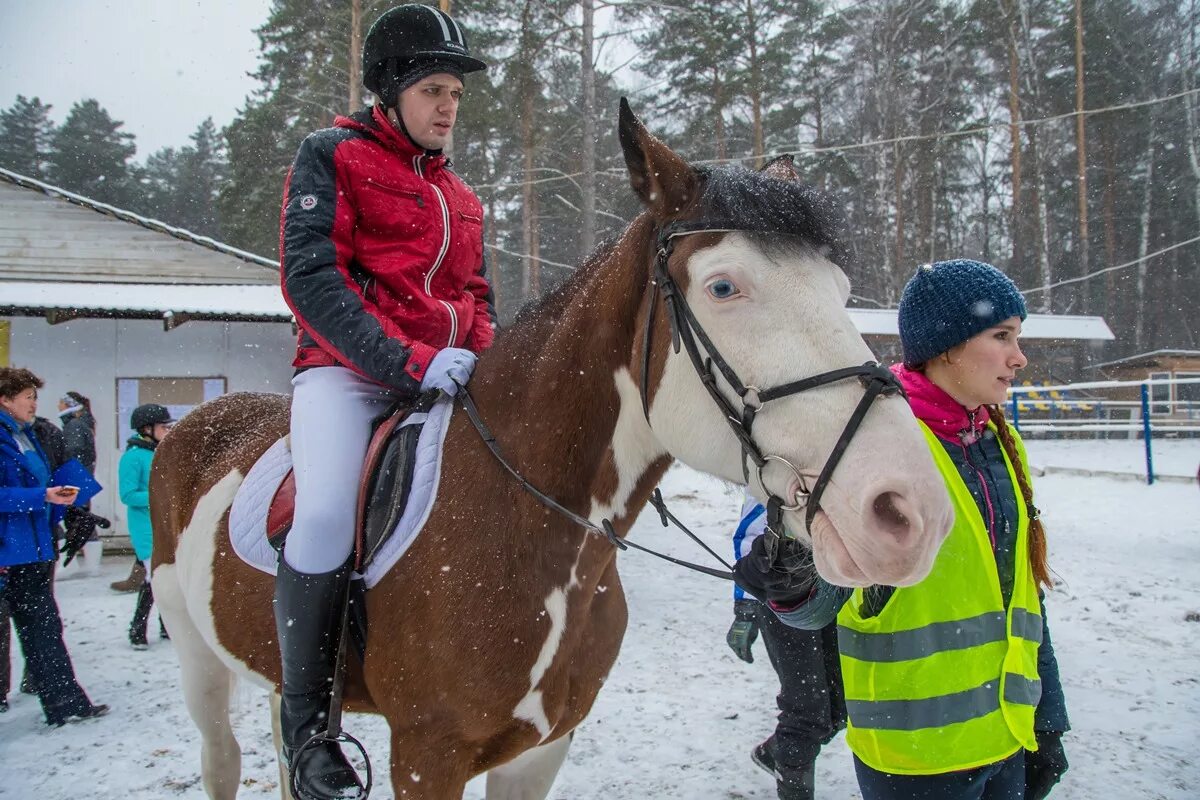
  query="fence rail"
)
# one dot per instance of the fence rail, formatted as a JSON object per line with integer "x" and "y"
{"x": 1033, "y": 410}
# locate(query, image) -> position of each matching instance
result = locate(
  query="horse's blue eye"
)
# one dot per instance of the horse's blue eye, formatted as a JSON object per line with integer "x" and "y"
{"x": 722, "y": 289}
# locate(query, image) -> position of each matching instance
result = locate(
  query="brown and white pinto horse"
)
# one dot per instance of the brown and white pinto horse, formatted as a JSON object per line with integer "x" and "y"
{"x": 491, "y": 638}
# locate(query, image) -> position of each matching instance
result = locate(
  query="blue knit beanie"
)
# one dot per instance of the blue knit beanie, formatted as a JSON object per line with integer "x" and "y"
{"x": 948, "y": 302}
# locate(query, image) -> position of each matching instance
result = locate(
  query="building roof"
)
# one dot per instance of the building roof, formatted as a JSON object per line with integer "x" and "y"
{"x": 48, "y": 233}
{"x": 173, "y": 303}
{"x": 882, "y": 322}
{"x": 1147, "y": 359}
{"x": 58, "y": 301}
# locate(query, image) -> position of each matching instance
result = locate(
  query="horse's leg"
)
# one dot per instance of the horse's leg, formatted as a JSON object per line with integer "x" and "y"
{"x": 285, "y": 784}
{"x": 529, "y": 775}
{"x": 207, "y": 686}
{"x": 425, "y": 768}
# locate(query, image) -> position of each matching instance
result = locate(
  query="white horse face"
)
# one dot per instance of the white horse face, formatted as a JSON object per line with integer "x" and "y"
{"x": 778, "y": 316}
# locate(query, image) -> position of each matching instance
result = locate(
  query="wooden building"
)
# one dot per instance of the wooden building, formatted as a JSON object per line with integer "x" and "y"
{"x": 1171, "y": 393}
{"x": 128, "y": 310}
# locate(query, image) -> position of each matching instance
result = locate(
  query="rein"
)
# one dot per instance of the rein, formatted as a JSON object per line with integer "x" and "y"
{"x": 605, "y": 528}
{"x": 685, "y": 328}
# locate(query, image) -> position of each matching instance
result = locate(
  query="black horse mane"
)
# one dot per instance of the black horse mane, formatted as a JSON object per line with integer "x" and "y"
{"x": 780, "y": 212}
{"x": 775, "y": 212}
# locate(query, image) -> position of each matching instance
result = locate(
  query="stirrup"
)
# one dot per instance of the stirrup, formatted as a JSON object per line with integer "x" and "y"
{"x": 321, "y": 737}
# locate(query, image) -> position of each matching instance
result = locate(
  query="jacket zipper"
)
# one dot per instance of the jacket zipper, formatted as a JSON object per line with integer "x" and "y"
{"x": 414, "y": 196}
{"x": 441, "y": 256}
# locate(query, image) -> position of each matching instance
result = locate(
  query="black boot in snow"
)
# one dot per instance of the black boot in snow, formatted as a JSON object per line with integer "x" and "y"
{"x": 307, "y": 617}
{"x": 141, "y": 615}
{"x": 791, "y": 783}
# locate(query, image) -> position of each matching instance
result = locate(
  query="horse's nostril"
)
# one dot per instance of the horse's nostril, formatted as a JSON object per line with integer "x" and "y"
{"x": 889, "y": 516}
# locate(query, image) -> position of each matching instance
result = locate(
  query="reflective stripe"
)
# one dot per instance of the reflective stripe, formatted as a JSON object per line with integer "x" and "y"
{"x": 1027, "y": 625}
{"x": 439, "y": 17}
{"x": 946, "y": 709}
{"x": 1019, "y": 689}
{"x": 937, "y": 637}
{"x": 458, "y": 37}
{"x": 931, "y": 712}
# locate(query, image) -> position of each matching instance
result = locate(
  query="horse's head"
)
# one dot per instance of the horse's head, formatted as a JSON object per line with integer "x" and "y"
{"x": 747, "y": 282}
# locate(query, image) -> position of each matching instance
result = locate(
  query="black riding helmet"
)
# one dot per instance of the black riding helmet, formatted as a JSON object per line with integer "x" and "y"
{"x": 407, "y": 35}
{"x": 149, "y": 415}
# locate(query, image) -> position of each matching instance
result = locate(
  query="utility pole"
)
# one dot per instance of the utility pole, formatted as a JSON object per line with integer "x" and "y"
{"x": 1080, "y": 146}
{"x": 355, "y": 55}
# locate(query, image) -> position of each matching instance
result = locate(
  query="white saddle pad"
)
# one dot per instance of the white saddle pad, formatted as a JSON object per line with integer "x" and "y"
{"x": 248, "y": 514}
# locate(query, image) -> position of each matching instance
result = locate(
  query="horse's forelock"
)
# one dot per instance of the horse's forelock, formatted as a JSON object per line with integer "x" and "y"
{"x": 773, "y": 211}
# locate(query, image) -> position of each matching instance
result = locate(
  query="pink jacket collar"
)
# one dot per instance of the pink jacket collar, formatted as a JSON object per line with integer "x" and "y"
{"x": 942, "y": 413}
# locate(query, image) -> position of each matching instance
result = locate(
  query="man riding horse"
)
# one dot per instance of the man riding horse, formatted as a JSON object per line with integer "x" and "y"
{"x": 382, "y": 265}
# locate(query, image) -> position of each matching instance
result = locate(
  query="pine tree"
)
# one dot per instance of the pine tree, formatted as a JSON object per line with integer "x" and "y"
{"x": 25, "y": 137}
{"x": 90, "y": 155}
{"x": 304, "y": 74}
{"x": 181, "y": 187}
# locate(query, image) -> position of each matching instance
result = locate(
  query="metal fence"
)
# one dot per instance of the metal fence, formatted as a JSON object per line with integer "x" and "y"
{"x": 1109, "y": 409}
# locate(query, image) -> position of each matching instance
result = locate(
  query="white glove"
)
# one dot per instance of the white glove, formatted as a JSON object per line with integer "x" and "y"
{"x": 450, "y": 368}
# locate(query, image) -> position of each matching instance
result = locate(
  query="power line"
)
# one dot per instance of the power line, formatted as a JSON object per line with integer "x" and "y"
{"x": 1091, "y": 275}
{"x": 877, "y": 142}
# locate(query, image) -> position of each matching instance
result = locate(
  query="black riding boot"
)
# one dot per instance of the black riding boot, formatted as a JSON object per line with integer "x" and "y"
{"x": 307, "y": 615}
{"x": 141, "y": 615}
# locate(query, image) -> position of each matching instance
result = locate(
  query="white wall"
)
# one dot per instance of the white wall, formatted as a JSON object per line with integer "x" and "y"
{"x": 88, "y": 355}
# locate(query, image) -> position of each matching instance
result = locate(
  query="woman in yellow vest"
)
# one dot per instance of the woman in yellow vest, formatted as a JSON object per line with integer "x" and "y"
{"x": 952, "y": 687}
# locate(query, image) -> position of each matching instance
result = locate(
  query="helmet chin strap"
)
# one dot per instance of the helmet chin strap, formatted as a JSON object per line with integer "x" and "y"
{"x": 393, "y": 114}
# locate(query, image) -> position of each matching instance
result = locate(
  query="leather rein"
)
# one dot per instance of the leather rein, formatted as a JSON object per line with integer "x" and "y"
{"x": 686, "y": 329}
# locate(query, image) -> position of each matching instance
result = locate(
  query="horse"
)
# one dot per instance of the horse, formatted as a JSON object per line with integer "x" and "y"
{"x": 492, "y": 636}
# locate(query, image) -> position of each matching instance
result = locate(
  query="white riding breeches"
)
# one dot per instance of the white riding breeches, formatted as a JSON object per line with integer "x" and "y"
{"x": 332, "y": 411}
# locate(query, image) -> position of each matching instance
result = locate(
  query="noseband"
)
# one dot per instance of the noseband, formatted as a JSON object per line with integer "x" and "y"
{"x": 876, "y": 380}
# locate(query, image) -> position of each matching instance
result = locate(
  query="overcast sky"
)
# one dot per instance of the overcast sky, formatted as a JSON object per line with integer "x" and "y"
{"x": 159, "y": 66}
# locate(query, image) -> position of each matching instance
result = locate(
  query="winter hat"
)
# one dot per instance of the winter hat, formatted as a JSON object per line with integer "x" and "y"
{"x": 948, "y": 302}
{"x": 409, "y": 72}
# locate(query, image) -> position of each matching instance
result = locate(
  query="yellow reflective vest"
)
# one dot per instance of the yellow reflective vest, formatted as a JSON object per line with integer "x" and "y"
{"x": 945, "y": 677}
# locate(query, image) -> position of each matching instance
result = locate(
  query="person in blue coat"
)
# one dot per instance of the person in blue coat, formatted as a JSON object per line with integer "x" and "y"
{"x": 151, "y": 423}
{"x": 29, "y": 507}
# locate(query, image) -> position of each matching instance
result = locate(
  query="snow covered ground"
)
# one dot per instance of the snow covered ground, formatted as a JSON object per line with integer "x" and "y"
{"x": 680, "y": 714}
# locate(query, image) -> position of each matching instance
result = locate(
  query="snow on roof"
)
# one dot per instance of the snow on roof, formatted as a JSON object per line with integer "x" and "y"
{"x": 137, "y": 219}
{"x": 265, "y": 303}
{"x": 1153, "y": 355}
{"x": 246, "y": 302}
{"x": 882, "y": 322}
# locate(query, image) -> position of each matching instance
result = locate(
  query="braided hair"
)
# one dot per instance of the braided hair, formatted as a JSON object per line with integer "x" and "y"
{"x": 1037, "y": 533}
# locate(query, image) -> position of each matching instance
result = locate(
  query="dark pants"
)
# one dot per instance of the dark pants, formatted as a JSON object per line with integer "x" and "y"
{"x": 1004, "y": 780}
{"x": 28, "y": 590}
{"x": 5, "y": 651}
{"x": 812, "y": 705}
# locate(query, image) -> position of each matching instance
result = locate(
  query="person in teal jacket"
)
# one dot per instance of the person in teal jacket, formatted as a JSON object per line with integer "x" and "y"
{"x": 150, "y": 422}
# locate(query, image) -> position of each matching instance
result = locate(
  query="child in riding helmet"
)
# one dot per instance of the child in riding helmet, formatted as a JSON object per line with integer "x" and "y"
{"x": 952, "y": 687}
{"x": 382, "y": 264}
{"x": 150, "y": 423}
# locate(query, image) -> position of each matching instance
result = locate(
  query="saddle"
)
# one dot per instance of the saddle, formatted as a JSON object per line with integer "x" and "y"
{"x": 384, "y": 485}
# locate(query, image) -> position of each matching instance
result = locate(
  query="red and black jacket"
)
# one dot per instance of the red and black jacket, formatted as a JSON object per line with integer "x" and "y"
{"x": 381, "y": 253}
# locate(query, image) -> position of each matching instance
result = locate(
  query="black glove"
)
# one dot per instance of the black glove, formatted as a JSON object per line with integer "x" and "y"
{"x": 744, "y": 630}
{"x": 779, "y": 570}
{"x": 80, "y": 524}
{"x": 1046, "y": 766}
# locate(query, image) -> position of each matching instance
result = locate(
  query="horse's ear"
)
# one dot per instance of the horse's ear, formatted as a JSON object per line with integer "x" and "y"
{"x": 665, "y": 182}
{"x": 782, "y": 168}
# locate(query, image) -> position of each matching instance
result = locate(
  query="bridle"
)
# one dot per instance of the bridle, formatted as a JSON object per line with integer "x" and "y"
{"x": 877, "y": 381}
